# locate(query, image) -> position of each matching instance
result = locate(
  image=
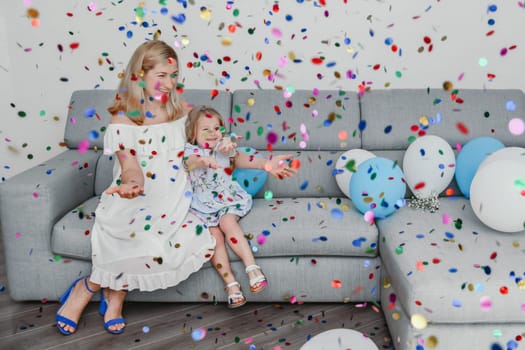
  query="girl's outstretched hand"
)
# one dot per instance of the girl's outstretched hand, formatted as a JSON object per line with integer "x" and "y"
{"x": 280, "y": 166}
{"x": 227, "y": 147}
{"x": 128, "y": 190}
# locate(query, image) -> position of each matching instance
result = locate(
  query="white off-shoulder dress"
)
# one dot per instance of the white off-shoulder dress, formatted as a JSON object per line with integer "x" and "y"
{"x": 152, "y": 241}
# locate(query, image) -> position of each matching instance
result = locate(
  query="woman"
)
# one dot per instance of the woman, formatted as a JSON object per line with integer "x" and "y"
{"x": 144, "y": 236}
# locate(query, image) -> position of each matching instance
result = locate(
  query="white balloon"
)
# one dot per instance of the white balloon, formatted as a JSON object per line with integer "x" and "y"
{"x": 510, "y": 153}
{"x": 429, "y": 164}
{"x": 496, "y": 194}
{"x": 343, "y": 175}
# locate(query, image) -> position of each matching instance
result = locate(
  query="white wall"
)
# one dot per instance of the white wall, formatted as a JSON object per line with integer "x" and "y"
{"x": 31, "y": 65}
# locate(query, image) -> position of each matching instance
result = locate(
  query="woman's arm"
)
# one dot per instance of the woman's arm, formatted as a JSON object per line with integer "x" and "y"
{"x": 132, "y": 178}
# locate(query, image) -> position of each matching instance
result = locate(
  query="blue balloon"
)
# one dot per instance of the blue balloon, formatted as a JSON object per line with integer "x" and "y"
{"x": 470, "y": 158}
{"x": 379, "y": 186}
{"x": 252, "y": 180}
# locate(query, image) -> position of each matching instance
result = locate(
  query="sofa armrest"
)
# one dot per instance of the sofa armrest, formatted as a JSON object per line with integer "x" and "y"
{"x": 30, "y": 204}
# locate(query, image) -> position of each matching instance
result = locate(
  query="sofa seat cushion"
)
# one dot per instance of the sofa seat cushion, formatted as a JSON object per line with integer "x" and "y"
{"x": 450, "y": 267}
{"x": 276, "y": 227}
{"x": 71, "y": 235}
{"x": 309, "y": 226}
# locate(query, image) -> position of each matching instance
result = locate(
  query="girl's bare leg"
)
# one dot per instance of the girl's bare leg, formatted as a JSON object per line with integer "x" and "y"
{"x": 221, "y": 262}
{"x": 229, "y": 224}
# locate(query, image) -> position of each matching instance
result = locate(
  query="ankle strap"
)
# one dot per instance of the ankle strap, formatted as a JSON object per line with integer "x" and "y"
{"x": 252, "y": 268}
{"x": 232, "y": 284}
{"x": 86, "y": 284}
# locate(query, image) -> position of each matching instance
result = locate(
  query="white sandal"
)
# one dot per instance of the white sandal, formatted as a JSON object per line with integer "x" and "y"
{"x": 259, "y": 282}
{"x": 235, "y": 296}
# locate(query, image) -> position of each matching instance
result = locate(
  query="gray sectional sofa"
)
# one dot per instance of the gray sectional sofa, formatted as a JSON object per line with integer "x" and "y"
{"x": 429, "y": 276}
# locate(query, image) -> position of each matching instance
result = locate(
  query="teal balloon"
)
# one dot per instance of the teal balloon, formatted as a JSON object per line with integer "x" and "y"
{"x": 472, "y": 154}
{"x": 378, "y": 186}
{"x": 251, "y": 180}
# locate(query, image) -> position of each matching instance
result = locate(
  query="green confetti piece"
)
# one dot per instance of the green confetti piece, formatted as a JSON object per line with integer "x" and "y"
{"x": 133, "y": 113}
{"x": 350, "y": 166}
{"x": 198, "y": 229}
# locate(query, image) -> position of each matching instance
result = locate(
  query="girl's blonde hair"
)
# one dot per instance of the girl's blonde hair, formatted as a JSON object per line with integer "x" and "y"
{"x": 130, "y": 98}
{"x": 193, "y": 117}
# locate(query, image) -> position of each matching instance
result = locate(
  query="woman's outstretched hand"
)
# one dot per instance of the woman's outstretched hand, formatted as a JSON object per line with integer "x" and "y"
{"x": 281, "y": 167}
{"x": 128, "y": 190}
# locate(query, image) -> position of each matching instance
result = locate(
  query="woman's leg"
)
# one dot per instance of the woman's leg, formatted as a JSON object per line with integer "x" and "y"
{"x": 76, "y": 302}
{"x": 221, "y": 262}
{"x": 115, "y": 300}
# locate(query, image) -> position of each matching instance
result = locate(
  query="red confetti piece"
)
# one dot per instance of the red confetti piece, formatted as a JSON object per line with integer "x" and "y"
{"x": 317, "y": 60}
{"x": 462, "y": 128}
{"x": 296, "y": 163}
{"x": 214, "y": 93}
{"x": 234, "y": 240}
{"x": 74, "y": 46}
{"x": 336, "y": 284}
{"x": 419, "y": 185}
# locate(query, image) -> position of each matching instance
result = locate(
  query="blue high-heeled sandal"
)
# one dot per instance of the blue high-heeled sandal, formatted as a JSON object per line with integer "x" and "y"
{"x": 63, "y": 300}
{"x": 102, "y": 310}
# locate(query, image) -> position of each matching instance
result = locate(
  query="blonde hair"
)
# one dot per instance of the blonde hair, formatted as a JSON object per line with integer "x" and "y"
{"x": 193, "y": 117}
{"x": 130, "y": 98}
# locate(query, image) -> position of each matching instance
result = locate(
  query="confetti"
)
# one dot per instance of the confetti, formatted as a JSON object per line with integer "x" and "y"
{"x": 418, "y": 321}
{"x": 198, "y": 334}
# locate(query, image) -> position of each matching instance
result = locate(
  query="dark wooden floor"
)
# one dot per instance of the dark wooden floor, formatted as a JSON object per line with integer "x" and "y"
{"x": 255, "y": 326}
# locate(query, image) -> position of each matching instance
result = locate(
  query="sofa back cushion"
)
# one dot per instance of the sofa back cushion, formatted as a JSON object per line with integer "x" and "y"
{"x": 314, "y": 126}
{"x": 88, "y": 118}
{"x": 394, "y": 117}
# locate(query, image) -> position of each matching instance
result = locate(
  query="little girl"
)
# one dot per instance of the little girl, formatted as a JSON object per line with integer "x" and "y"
{"x": 219, "y": 200}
